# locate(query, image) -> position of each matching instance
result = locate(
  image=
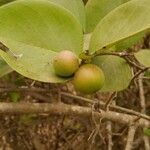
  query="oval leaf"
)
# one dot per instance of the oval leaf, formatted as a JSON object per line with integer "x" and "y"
{"x": 41, "y": 23}
{"x": 97, "y": 9}
{"x": 143, "y": 57}
{"x": 39, "y": 28}
{"x": 117, "y": 72}
{"x": 76, "y": 7}
{"x": 35, "y": 63}
{"x": 123, "y": 22}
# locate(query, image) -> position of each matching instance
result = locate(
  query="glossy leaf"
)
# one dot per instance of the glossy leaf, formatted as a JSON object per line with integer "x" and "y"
{"x": 35, "y": 63}
{"x": 125, "y": 21}
{"x": 4, "y": 68}
{"x": 97, "y": 10}
{"x": 117, "y": 72}
{"x": 38, "y": 29}
{"x": 129, "y": 42}
{"x": 76, "y": 7}
{"x": 143, "y": 56}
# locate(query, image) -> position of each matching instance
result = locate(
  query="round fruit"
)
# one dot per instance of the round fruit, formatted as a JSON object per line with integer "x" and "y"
{"x": 65, "y": 63}
{"x": 89, "y": 79}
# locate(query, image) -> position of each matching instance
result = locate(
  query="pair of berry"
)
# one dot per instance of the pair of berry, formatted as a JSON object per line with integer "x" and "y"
{"x": 88, "y": 78}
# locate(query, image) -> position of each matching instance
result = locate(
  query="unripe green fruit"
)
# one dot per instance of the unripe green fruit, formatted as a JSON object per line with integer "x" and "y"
{"x": 65, "y": 63}
{"x": 88, "y": 79}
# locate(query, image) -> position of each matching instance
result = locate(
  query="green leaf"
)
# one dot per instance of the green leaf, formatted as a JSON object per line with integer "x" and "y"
{"x": 4, "y": 68}
{"x": 97, "y": 10}
{"x": 129, "y": 42}
{"x": 123, "y": 22}
{"x": 117, "y": 72}
{"x": 76, "y": 7}
{"x": 35, "y": 63}
{"x": 38, "y": 29}
{"x": 147, "y": 131}
{"x": 143, "y": 56}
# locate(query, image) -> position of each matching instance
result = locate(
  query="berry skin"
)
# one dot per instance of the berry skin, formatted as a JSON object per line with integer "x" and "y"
{"x": 89, "y": 79}
{"x": 65, "y": 63}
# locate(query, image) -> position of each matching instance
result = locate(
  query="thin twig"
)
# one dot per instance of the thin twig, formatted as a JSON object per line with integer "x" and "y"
{"x": 130, "y": 137}
{"x": 110, "y": 99}
{"x": 141, "y": 94}
{"x": 132, "y": 63}
{"x": 109, "y": 126}
{"x": 96, "y": 131}
{"x": 143, "y": 108}
{"x": 120, "y": 54}
{"x": 138, "y": 73}
{"x": 109, "y": 130}
{"x": 145, "y": 78}
{"x": 129, "y": 111}
{"x": 6, "y": 49}
{"x": 123, "y": 131}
